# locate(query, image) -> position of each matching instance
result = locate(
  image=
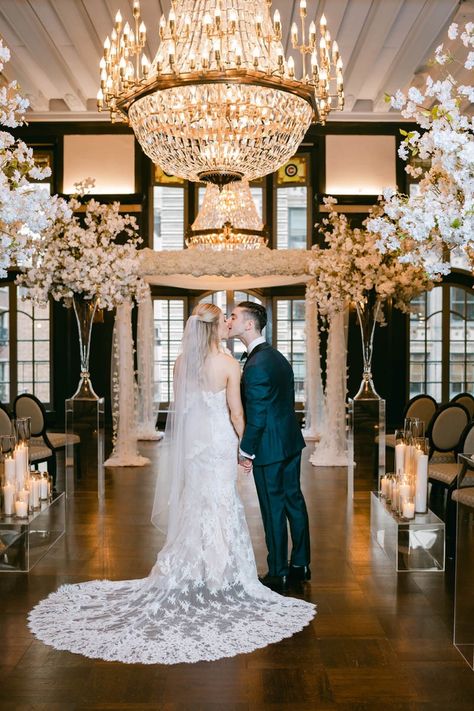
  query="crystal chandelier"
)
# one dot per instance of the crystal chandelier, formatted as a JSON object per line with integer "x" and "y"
{"x": 227, "y": 220}
{"x": 220, "y": 102}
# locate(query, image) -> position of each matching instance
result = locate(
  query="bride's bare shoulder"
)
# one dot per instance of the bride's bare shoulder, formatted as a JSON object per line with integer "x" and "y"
{"x": 226, "y": 360}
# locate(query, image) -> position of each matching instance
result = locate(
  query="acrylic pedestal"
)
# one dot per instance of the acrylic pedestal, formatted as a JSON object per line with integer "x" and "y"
{"x": 414, "y": 545}
{"x": 85, "y": 418}
{"x": 23, "y": 542}
{"x": 366, "y": 444}
{"x": 463, "y": 595}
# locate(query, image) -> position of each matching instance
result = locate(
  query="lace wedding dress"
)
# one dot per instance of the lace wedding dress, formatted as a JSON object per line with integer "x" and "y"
{"x": 202, "y": 600}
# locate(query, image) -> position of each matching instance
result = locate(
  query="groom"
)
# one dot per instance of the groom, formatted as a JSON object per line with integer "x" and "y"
{"x": 272, "y": 442}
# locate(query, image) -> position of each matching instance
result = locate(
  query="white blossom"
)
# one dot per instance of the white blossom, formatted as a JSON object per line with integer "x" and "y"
{"x": 23, "y": 208}
{"x": 440, "y": 216}
{"x": 75, "y": 256}
{"x": 351, "y": 267}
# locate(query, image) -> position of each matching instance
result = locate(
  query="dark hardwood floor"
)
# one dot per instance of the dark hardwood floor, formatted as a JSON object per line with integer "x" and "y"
{"x": 380, "y": 641}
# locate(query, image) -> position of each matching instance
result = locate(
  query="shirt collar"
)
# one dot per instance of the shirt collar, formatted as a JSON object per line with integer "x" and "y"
{"x": 254, "y": 343}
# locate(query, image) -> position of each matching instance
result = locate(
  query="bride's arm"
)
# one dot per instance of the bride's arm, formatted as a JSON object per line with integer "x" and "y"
{"x": 234, "y": 400}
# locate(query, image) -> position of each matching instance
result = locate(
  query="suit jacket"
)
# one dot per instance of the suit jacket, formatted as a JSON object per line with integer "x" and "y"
{"x": 272, "y": 432}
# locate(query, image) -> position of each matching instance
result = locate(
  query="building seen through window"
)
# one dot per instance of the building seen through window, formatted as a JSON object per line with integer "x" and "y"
{"x": 442, "y": 343}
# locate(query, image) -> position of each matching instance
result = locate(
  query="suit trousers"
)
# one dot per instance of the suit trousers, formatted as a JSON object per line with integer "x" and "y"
{"x": 282, "y": 503}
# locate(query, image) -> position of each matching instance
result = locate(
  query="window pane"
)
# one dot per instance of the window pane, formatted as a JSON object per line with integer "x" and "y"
{"x": 168, "y": 323}
{"x": 4, "y": 345}
{"x": 168, "y": 217}
{"x": 290, "y": 339}
{"x": 461, "y": 330}
{"x": 425, "y": 365}
{"x": 33, "y": 349}
{"x": 292, "y": 208}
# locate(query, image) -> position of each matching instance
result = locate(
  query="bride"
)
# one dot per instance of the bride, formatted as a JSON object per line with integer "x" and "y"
{"x": 202, "y": 599}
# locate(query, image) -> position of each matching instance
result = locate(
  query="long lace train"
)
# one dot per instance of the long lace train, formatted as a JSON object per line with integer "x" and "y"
{"x": 203, "y": 599}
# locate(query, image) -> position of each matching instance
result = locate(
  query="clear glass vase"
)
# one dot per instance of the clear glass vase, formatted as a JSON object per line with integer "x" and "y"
{"x": 367, "y": 315}
{"x": 84, "y": 310}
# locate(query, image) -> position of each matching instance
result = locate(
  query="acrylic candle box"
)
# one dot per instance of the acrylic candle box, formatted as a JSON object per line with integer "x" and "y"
{"x": 414, "y": 545}
{"x": 23, "y": 542}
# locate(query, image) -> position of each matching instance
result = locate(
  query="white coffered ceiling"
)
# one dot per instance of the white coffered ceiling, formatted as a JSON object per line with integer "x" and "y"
{"x": 385, "y": 45}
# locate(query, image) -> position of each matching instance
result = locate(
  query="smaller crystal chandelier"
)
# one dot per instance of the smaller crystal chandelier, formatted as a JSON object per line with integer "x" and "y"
{"x": 227, "y": 220}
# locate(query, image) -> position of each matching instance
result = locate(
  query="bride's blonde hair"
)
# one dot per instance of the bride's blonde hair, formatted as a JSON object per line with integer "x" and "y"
{"x": 208, "y": 317}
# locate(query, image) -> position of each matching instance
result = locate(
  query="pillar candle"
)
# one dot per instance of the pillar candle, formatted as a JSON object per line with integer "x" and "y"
{"x": 385, "y": 483}
{"x": 10, "y": 470}
{"x": 8, "y": 498}
{"x": 44, "y": 487}
{"x": 35, "y": 487}
{"x": 21, "y": 464}
{"x": 400, "y": 458}
{"x": 21, "y": 509}
{"x": 408, "y": 509}
{"x": 404, "y": 490}
{"x": 421, "y": 494}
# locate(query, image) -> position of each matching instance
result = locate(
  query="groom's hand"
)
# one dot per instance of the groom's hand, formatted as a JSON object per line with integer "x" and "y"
{"x": 246, "y": 464}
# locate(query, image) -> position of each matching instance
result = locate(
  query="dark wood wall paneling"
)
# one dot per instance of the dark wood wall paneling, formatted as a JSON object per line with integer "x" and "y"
{"x": 391, "y": 342}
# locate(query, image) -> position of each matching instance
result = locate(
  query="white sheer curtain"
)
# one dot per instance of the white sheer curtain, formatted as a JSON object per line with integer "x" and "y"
{"x": 146, "y": 410}
{"x": 331, "y": 450}
{"x": 314, "y": 395}
{"x": 125, "y": 453}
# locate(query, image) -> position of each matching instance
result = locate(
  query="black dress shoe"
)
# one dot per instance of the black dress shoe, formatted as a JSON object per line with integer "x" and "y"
{"x": 278, "y": 583}
{"x": 300, "y": 572}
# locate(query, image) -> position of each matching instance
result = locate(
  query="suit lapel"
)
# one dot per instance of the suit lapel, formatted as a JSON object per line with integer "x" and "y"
{"x": 260, "y": 347}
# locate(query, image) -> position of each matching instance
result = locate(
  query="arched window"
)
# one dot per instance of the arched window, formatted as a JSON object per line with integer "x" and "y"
{"x": 441, "y": 341}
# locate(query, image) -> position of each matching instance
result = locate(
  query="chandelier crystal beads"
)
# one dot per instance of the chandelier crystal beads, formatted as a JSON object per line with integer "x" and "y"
{"x": 227, "y": 220}
{"x": 220, "y": 102}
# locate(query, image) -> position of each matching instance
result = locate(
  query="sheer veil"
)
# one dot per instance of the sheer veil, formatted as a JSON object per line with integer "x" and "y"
{"x": 187, "y": 427}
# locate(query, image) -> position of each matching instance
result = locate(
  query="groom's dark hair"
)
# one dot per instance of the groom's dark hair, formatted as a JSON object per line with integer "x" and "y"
{"x": 256, "y": 312}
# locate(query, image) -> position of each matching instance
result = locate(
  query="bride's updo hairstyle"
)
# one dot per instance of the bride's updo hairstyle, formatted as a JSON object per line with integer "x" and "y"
{"x": 207, "y": 316}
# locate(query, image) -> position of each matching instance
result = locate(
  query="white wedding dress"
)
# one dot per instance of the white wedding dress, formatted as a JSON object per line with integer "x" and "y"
{"x": 202, "y": 600}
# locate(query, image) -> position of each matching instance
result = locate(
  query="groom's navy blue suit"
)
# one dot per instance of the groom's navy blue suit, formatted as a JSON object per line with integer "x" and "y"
{"x": 272, "y": 434}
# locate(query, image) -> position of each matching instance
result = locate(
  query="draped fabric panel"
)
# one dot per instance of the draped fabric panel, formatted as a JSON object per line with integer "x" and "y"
{"x": 125, "y": 453}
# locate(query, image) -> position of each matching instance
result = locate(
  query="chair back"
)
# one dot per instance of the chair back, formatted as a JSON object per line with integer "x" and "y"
{"x": 423, "y": 407}
{"x": 27, "y": 405}
{"x": 446, "y": 427}
{"x": 467, "y": 400}
{"x": 466, "y": 443}
{"x": 5, "y": 422}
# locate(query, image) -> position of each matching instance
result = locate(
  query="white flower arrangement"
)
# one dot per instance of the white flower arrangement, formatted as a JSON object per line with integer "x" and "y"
{"x": 440, "y": 217}
{"x": 253, "y": 262}
{"x": 82, "y": 256}
{"x": 351, "y": 268}
{"x": 23, "y": 208}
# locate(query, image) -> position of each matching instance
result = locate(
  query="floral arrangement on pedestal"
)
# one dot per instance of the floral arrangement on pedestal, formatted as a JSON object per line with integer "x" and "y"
{"x": 80, "y": 261}
{"x": 440, "y": 216}
{"x": 23, "y": 208}
{"x": 351, "y": 269}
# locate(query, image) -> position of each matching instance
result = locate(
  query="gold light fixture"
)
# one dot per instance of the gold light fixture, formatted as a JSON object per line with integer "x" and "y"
{"x": 220, "y": 102}
{"x": 227, "y": 220}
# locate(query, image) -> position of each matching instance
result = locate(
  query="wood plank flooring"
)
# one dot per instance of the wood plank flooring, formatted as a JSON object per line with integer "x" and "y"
{"x": 380, "y": 641}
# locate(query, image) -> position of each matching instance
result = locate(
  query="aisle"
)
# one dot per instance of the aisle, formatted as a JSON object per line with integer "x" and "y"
{"x": 378, "y": 642}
